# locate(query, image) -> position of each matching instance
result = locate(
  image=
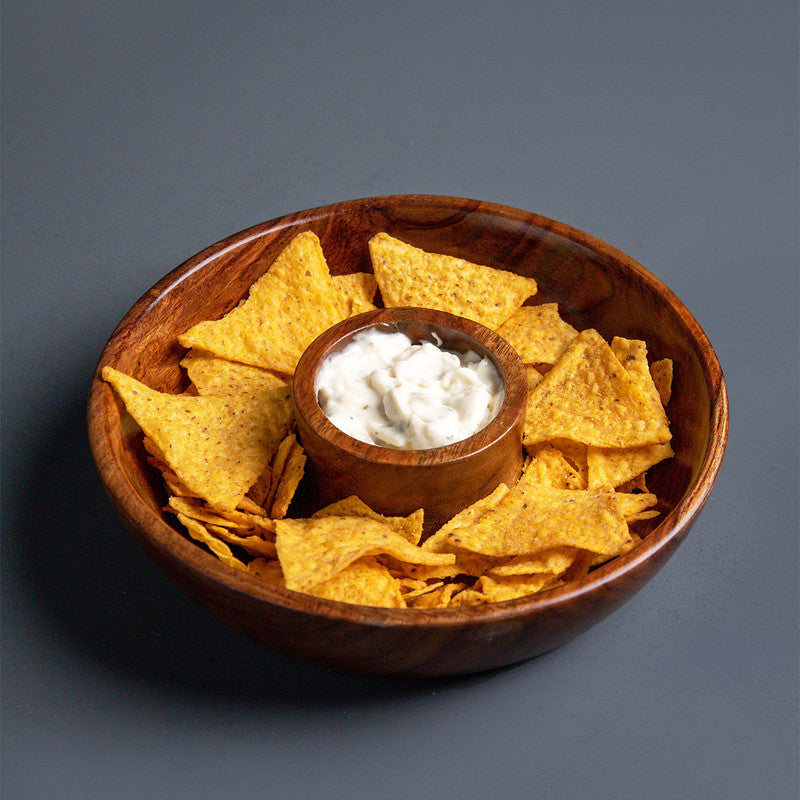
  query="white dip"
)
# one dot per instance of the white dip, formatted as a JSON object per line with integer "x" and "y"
{"x": 382, "y": 389}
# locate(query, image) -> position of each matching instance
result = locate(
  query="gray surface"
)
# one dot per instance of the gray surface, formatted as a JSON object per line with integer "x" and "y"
{"x": 135, "y": 134}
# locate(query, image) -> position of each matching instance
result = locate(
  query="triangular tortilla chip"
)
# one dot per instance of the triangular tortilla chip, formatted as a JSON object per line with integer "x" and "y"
{"x": 611, "y": 467}
{"x": 366, "y": 582}
{"x": 408, "y": 276}
{"x": 314, "y": 550}
{"x": 212, "y": 375}
{"x": 538, "y": 333}
{"x": 661, "y": 372}
{"x": 289, "y": 479}
{"x": 356, "y": 291}
{"x": 217, "y": 446}
{"x": 549, "y": 467}
{"x": 438, "y": 542}
{"x": 287, "y": 308}
{"x": 533, "y": 517}
{"x": 409, "y": 527}
{"x": 589, "y": 397}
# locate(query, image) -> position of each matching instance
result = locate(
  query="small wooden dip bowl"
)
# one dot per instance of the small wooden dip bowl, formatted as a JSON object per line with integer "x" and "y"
{"x": 441, "y": 480}
{"x": 594, "y": 284}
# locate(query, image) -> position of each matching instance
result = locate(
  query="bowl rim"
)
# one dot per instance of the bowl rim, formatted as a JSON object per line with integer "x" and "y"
{"x": 173, "y": 546}
{"x": 506, "y": 361}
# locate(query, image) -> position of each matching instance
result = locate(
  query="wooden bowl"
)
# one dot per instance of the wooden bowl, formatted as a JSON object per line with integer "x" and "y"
{"x": 594, "y": 284}
{"x": 398, "y": 482}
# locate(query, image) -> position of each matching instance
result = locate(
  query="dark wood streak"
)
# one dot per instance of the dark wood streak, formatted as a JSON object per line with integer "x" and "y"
{"x": 593, "y": 283}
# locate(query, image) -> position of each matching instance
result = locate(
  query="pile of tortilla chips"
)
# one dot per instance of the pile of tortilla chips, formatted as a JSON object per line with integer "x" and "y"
{"x": 232, "y": 463}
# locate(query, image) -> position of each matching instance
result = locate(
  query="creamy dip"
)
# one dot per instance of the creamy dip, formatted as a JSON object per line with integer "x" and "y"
{"x": 383, "y": 389}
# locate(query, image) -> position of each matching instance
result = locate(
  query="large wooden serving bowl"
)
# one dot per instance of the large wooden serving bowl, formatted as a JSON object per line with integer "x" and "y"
{"x": 594, "y": 285}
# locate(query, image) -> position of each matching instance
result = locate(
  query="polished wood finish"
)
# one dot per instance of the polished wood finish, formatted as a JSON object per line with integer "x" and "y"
{"x": 398, "y": 482}
{"x": 595, "y": 286}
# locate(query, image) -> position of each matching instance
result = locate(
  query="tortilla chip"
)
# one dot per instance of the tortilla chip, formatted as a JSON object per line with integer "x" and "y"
{"x": 538, "y": 333}
{"x": 239, "y": 520}
{"x": 409, "y": 527}
{"x": 356, "y": 291}
{"x": 661, "y": 372}
{"x": 534, "y": 377}
{"x": 614, "y": 467}
{"x": 533, "y": 517}
{"x": 439, "y": 542}
{"x": 611, "y": 467}
{"x": 287, "y": 308}
{"x": 633, "y": 504}
{"x": 290, "y": 477}
{"x": 199, "y": 533}
{"x": 252, "y": 544}
{"x": 439, "y": 597}
{"x": 554, "y": 561}
{"x": 314, "y": 550}
{"x": 589, "y": 397}
{"x": 496, "y": 589}
{"x": 548, "y": 466}
{"x": 212, "y": 375}
{"x": 365, "y": 582}
{"x": 217, "y": 446}
{"x": 267, "y": 570}
{"x": 408, "y": 276}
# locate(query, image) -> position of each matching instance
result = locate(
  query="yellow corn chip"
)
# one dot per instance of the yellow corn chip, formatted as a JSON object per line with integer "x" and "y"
{"x": 549, "y": 467}
{"x": 610, "y": 467}
{"x": 554, "y": 560}
{"x": 439, "y": 541}
{"x": 267, "y": 570}
{"x": 356, "y": 292}
{"x": 252, "y": 544}
{"x": 408, "y": 276}
{"x": 366, "y": 582}
{"x": 240, "y": 520}
{"x": 217, "y": 446}
{"x": 538, "y": 333}
{"x": 291, "y": 474}
{"x": 287, "y": 308}
{"x": 496, "y": 589}
{"x": 276, "y": 467}
{"x": 613, "y": 467}
{"x": 467, "y": 597}
{"x": 466, "y": 563}
{"x": 199, "y": 533}
{"x": 314, "y": 550}
{"x": 212, "y": 375}
{"x": 661, "y": 372}
{"x": 439, "y": 597}
{"x": 533, "y": 517}
{"x": 632, "y": 504}
{"x": 259, "y": 491}
{"x": 589, "y": 397}
{"x": 637, "y": 483}
{"x": 534, "y": 377}
{"x": 409, "y": 527}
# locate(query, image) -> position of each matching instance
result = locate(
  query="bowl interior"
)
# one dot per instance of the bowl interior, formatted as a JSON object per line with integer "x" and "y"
{"x": 593, "y": 284}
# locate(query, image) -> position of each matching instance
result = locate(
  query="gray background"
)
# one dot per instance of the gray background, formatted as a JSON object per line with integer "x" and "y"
{"x": 137, "y": 133}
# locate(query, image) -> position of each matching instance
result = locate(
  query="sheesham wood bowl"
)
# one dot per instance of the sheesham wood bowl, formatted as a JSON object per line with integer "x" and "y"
{"x": 594, "y": 284}
{"x": 398, "y": 482}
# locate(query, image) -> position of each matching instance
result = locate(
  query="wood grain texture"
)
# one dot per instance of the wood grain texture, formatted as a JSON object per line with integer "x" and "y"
{"x": 594, "y": 284}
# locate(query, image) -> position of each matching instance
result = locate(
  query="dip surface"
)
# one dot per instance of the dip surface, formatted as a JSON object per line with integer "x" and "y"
{"x": 382, "y": 389}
